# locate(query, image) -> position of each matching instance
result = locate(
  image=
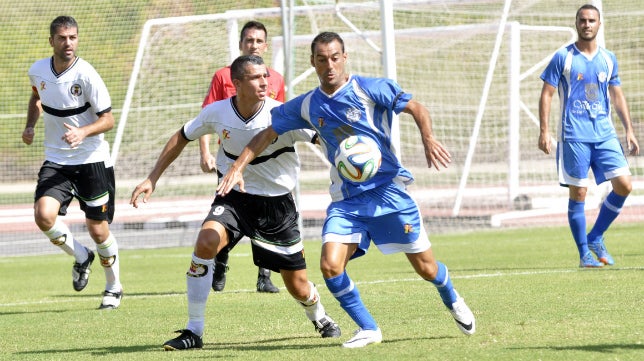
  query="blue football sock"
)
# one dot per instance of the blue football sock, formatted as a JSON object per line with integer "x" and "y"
{"x": 444, "y": 286}
{"x": 345, "y": 291}
{"x": 577, "y": 221}
{"x": 609, "y": 210}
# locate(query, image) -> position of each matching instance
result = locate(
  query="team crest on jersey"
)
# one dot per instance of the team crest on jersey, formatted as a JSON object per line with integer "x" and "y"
{"x": 602, "y": 76}
{"x": 353, "y": 114}
{"x": 42, "y": 85}
{"x": 408, "y": 228}
{"x": 225, "y": 134}
{"x": 272, "y": 94}
{"x": 76, "y": 90}
{"x": 320, "y": 122}
{"x": 580, "y": 76}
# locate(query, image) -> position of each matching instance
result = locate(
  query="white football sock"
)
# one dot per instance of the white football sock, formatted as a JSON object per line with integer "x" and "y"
{"x": 108, "y": 252}
{"x": 61, "y": 236}
{"x": 312, "y": 306}
{"x": 199, "y": 281}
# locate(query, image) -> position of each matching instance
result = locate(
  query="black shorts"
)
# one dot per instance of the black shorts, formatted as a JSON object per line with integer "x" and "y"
{"x": 92, "y": 184}
{"x": 270, "y": 223}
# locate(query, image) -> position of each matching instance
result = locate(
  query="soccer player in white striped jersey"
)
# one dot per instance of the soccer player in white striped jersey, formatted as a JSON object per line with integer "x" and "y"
{"x": 77, "y": 111}
{"x": 266, "y": 212}
{"x": 379, "y": 210}
{"x": 587, "y": 78}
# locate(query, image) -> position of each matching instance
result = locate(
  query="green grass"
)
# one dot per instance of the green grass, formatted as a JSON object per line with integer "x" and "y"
{"x": 530, "y": 299}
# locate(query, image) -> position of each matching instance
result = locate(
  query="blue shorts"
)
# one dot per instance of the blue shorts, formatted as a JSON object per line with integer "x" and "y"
{"x": 386, "y": 215}
{"x": 575, "y": 159}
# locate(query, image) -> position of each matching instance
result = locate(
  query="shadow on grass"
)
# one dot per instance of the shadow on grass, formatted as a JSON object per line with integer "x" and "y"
{"x": 269, "y": 344}
{"x": 600, "y": 348}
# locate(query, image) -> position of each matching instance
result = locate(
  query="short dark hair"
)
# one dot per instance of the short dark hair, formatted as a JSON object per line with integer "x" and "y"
{"x": 238, "y": 67}
{"x": 326, "y": 37}
{"x": 588, "y": 7}
{"x": 252, "y": 25}
{"x": 62, "y": 21}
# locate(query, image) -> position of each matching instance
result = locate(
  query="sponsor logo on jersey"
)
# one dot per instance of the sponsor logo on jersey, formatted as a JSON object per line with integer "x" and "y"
{"x": 320, "y": 122}
{"x": 76, "y": 90}
{"x": 408, "y": 228}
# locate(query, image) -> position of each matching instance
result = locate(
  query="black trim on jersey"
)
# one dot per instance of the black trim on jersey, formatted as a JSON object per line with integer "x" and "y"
{"x": 246, "y": 121}
{"x": 183, "y": 133}
{"x": 65, "y": 112}
{"x": 263, "y": 158}
{"x": 109, "y": 109}
{"x": 53, "y": 70}
{"x": 397, "y": 97}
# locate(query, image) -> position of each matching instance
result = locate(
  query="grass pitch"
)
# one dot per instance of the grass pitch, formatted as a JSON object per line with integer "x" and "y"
{"x": 530, "y": 299}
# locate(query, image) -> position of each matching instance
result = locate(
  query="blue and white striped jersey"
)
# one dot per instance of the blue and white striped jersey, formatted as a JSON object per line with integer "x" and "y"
{"x": 362, "y": 106}
{"x": 582, "y": 83}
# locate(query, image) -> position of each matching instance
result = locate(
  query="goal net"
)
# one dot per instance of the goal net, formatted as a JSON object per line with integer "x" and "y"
{"x": 475, "y": 64}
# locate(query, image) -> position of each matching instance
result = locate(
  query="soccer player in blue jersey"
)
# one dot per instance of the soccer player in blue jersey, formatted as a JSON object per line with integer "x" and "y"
{"x": 586, "y": 76}
{"x": 378, "y": 210}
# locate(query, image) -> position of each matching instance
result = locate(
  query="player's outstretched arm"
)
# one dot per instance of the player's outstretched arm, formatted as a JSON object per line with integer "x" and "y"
{"x": 170, "y": 152}
{"x": 435, "y": 152}
{"x": 234, "y": 176}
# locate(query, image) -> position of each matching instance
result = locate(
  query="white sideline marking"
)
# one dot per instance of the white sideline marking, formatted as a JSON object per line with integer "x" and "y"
{"x": 479, "y": 275}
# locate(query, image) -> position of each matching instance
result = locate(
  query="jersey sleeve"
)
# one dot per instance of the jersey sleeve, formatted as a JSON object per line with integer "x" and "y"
{"x": 614, "y": 78}
{"x": 98, "y": 96}
{"x": 386, "y": 93}
{"x": 553, "y": 71}
{"x": 199, "y": 126}
{"x": 221, "y": 87}
{"x": 288, "y": 116}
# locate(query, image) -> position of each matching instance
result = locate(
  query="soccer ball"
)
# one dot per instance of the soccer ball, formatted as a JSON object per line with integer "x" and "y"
{"x": 357, "y": 158}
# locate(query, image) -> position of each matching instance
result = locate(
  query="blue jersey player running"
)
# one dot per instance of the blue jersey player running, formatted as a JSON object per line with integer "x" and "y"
{"x": 379, "y": 210}
{"x": 588, "y": 82}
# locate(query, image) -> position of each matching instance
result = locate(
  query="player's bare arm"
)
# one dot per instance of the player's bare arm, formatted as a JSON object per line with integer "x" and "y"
{"x": 545, "y": 102}
{"x": 435, "y": 152}
{"x": 621, "y": 107}
{"x": 75, "y": 135}
{"x": 234, "y": 175}
{"x": 170, "y": 152}
{"x": 33, "y": 114}
{"x": 207, "y": 160}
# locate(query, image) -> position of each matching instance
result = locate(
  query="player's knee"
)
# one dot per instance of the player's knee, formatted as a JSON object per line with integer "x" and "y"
{"x": 330, "y": 269}
{"x": 98, "y": 231}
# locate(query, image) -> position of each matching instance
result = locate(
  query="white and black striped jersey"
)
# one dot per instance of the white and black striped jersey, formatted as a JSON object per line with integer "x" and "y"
{"x": 274, "y": 171}
{"x": 76, "y": 97}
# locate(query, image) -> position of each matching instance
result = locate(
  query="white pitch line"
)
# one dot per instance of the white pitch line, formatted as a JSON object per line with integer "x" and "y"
{"x": 479, "y": 275}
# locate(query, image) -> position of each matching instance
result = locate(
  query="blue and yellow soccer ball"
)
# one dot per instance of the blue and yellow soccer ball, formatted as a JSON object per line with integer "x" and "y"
{"x": 358, "y": 158}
